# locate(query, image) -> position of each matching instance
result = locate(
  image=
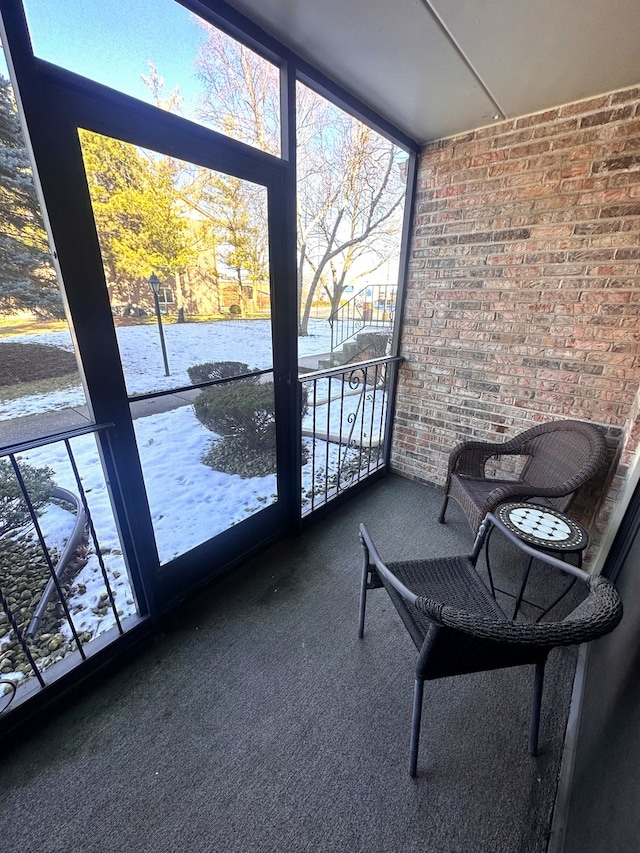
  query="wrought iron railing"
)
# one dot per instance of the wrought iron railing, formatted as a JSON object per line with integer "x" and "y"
{"x": 344, "y": 428}
{"x": 58, "y": 591}
{"x": 372, "y": 307}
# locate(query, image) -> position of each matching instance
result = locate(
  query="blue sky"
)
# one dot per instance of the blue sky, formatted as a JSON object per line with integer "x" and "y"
{"x": 111, "y": 42}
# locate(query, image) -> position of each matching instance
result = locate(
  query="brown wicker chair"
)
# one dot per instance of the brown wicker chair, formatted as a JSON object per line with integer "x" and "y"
{"x": 561, "y": 457}
{"x": 458, "y": 626}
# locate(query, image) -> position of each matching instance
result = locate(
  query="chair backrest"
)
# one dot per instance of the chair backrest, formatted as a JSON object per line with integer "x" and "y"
{"x": 562, "y": 452}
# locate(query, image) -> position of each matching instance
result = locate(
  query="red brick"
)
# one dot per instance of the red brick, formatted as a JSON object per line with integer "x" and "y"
{"x": 581, "y": 107}
{"x": 536, "y": 316}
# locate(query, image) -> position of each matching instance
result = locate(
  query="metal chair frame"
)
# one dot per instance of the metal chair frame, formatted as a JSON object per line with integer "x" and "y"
{"x": 458, "y": 626}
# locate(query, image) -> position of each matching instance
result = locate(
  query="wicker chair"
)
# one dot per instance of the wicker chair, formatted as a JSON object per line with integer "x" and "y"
{"x": 458, "y": 626}
{"x": 560, "y": 457}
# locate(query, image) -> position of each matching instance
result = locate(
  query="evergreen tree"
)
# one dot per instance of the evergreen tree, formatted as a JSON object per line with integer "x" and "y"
{"x": 27, "y": 278}
{"x": 140, "y": 217}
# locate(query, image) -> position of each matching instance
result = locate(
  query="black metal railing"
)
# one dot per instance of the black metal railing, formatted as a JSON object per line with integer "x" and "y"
{"x": 372, "y": 307}
{"x": 344, "y": 427}
{"x": 49, "y": 609}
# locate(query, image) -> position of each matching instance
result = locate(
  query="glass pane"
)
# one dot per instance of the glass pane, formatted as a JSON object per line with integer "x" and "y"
{"x": 41, "y": 394}
{"x": 186, "y": 259}
{"x": 210, "y": 465}
{"x": 161, "y": 53}
{"x": 351, "y": 194}
{"x": 200, "y": 239}
{"x": 40, "y": 388}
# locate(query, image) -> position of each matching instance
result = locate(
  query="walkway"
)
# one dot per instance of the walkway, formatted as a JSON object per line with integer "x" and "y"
{"x": 31, "y": 427}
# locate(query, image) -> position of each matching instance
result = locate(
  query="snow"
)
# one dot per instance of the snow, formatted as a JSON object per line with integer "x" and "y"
{"x": 187, "y": 344}
{"x": 189, "y": 502}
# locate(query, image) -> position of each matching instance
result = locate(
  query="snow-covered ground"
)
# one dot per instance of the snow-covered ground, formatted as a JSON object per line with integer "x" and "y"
{"x": 187, "y": 344}
{"x": 189, "y": 501}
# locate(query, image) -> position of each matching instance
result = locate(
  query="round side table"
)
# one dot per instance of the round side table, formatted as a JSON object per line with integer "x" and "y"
{"x": 544, "y": 527}
{"x": 547, "y": 529}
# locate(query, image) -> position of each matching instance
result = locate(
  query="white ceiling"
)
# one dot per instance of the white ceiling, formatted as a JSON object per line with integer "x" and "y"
{"x": 440, "y": 67}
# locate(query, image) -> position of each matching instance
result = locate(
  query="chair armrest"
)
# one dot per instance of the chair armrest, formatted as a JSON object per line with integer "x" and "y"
{"x": 598, "y": 614}
{"x": 373, "y": 557}
{"x": 522, "y": 491}
{"x": 470, "y": 457}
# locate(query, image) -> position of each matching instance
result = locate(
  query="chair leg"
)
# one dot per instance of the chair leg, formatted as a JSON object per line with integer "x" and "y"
{"x": 523, "y": 586}
{"x": 363, "y": 592}
{"x": 534, "y": 725}
{"x": 444, "y": 508}
{"x": 418, "y": 691}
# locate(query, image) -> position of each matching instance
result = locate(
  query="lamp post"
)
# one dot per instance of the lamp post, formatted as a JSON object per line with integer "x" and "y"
{"x": 154, "y": 284}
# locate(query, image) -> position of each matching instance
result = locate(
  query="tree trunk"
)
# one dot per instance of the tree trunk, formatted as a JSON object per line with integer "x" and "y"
{"x": 179, "y": 297}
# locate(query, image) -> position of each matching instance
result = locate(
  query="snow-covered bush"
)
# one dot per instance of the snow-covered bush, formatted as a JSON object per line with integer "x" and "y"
{"x": 219, "y": 370}
{"x": 242, "y": 413}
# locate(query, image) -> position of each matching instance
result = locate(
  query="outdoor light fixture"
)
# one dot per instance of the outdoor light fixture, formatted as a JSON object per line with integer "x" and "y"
{"x": 154, "y": 284}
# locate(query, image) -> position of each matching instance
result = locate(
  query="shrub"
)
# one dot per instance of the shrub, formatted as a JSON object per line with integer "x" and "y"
{"x": 231, "y": 455}
{"x": 219, "y": 370}
{"x": 236, "y": 310}
{"x": 239, "y": 409}
{"x": 243, "y": 415}
{"x": 14, "y": 512}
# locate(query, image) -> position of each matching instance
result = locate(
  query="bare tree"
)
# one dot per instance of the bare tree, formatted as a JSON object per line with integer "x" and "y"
{"x": 350, "y": 199}
{"x": 350, "y": 187}
{"x": 240, "y": 91}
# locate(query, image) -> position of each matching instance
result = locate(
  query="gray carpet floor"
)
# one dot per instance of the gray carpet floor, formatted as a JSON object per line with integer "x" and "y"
{"x": 258, "y": 721}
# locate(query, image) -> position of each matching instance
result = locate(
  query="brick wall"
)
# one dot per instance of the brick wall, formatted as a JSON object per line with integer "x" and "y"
{"x": 524, "y": 291}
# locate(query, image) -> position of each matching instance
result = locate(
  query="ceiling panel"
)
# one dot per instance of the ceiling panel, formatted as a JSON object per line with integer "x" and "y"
{"x": 391, "y": 55}
{"x": 535, "y": 54}
{"x": 439, "y": 67}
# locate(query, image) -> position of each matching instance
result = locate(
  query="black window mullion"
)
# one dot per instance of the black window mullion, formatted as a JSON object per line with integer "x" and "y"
{"x": 60, "y": 177}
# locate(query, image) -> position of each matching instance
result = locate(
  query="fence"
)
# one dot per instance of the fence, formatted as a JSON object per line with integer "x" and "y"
{"x": 60, "y": 587}
{"x": 344, "y": 428}
{"x": 372, "y": 307}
